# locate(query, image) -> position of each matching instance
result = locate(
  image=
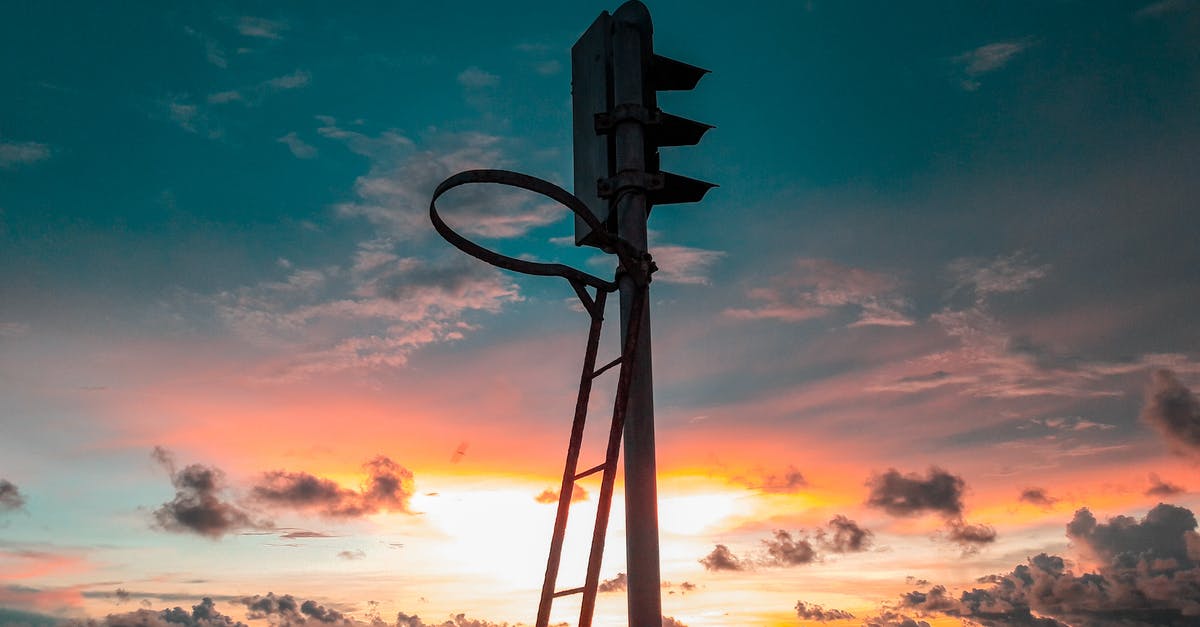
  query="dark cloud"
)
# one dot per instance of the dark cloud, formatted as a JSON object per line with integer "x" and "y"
{"x": 668, "y": 621}
{"x": 351, "y": 555}
{"x": 616, "y": 584}
{"x": 722, "y": 558}
{"x": 122, "y": 595}
{"x": 908, "y": 495}
{"x": 10, "y": 496}
{"x": 970, "y": 537}
{"x": 684, "y": 587}
{"x": 456, "y": 620}
{"x": 551, "y": 496}
{"x": 202, "y": 615}
{"x": 939, "y": 492}
{"x": 388, "y": 487}
{"x": 1037, "y": 496}
{"x": 1174, "y": 411}
{"x": 1160, "y": 488}
{"x": 1163, "y": 535}
{"x": 843, "y": 535}
{"x": 893, "y": 619}
{"x": 197, "y": 506}
{"x": 784, "y": 550}
{"x": 811, "y": 611}
{"x": 790, "y": 481}
{"x": 286, "y": 610}
{"x": 1149, "y": 574}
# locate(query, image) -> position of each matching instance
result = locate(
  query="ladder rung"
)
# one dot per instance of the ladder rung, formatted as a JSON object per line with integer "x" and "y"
{"x": 605, "y": 367}
{"x": 590, "y": 471}
{"x": 563, "y": 593}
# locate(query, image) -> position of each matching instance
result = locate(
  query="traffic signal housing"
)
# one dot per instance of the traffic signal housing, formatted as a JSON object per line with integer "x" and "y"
{"x": 595, "y": 69}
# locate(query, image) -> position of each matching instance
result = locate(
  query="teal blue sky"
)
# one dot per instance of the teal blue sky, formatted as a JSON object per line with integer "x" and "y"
{"x": 951, "y": 234}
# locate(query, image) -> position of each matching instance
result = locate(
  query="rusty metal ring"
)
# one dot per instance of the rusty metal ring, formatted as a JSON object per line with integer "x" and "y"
{"x": 533, "y": 184}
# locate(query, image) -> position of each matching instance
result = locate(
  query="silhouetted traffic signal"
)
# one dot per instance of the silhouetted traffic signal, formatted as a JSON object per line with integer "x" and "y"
{"x": 596, "y": 115}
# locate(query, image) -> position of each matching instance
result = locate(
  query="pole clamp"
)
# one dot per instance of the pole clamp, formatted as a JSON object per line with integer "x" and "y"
{"x": 640, "y": 181}
{"x": 607, "y": 121}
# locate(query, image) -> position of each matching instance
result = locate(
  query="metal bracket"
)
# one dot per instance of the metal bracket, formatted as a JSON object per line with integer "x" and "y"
{"x": 607, "y": 121}
{"x": 644, "y": 181}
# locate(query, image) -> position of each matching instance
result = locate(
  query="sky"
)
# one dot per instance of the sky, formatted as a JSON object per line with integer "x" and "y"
{"x": 927, "y": 356}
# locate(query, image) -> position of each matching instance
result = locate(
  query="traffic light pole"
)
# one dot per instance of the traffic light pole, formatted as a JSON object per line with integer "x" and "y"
{"x": 630, "y": 49}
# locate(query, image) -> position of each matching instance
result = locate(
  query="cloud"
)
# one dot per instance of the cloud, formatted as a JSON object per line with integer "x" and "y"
{"x": 395, "y": 193}
{"x": 548, "y": 68}
{"x": 970, "y": 537}
{"x": 387, "y": 487}
{"x": 893, "y": 619}
{"x": 261, "y": 28}
{"x": 213, "y": 51}
{"x": 721, "y": 558}
{"x": 1001, "y": 275}
{"x": 1148, "y": 575}
{"x": 475, "y": 78}
{"x": 939, "y": 492}
{"x": 301, "y": 534}
{"x": 295, "y": 80}
{"x": 300, "y": 149}
{"x": 616, "y": 584}
{"x": 784, "y": 550}
{"x": 1162, "y": 8}
{"x": 1173, "y": 410}
{"x": 843, "y": 535}
{"x": 1037, "y": 496}
{"x": 909, "y": 495}
{"x": 197, "y": 507}
{"x": 1160, "y": 488}
{"x": 287, "y": 610}
{"x": 203, "y": 614}
{"x": 684, "y": 265}
{"x": 551, "y": 496}
{"x": 815, "y": 288}
{"x": 812, "y": 611}
{"x": 372, "y": 315}
{"x": 10, "y": 496}
{"x": 987, "y": 58}
{"x": 14, "y": 154}
{"x": 253, "y": 95}
{"x": 787, "y": 482}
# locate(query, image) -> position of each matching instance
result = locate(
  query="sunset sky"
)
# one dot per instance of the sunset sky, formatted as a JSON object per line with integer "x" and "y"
{"x": 930, "y": 352}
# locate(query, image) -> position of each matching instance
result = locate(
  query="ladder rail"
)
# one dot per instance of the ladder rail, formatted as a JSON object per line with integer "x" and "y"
{"x": 620, "y": 405}
{"x": 567, "y": 488}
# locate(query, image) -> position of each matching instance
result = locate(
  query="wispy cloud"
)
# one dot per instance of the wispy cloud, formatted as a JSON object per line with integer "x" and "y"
{"x": 10, "y": 496}
{"x": 15, "y": 153}
{"x": 1163, "y": 8}
{"x": 261, "y": 28}
{"x": 394, "y": 194}
{"x": 813, "y": 288}
{"x": 476, "y": 78}
{"x": 988, "y": 58}
{"x": 213, "y": 51}
{"x": 683, "y": 264}
{"x": 298, "y": 147}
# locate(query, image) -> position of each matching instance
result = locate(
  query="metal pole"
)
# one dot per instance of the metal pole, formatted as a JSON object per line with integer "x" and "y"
{"x": 631, "y": 43}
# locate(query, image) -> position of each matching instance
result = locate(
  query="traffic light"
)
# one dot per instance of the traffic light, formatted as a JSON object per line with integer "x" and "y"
{"x": 615, "y": 78}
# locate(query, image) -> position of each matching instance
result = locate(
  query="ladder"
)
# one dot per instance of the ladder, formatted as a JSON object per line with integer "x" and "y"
{"x": 634, "y": 264}
{"x": 595, "y": 308}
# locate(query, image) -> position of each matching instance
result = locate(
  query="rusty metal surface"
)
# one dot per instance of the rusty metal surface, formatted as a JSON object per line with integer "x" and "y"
{"x": 567, "y": 489}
